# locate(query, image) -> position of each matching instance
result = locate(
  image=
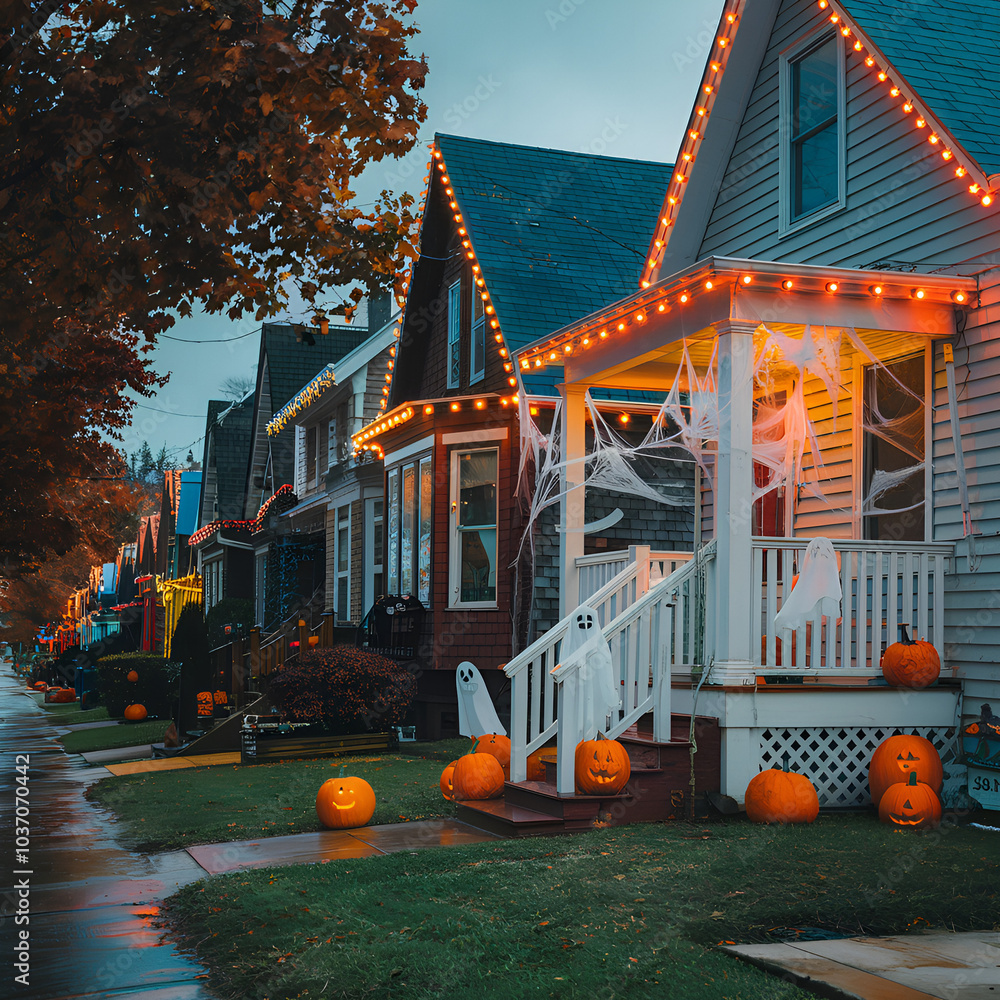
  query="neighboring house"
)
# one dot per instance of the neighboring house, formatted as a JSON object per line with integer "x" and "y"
{"x": 222, "y": 539}
{"x": 823, "y": 260}
{"x": 514, "y": 242}
{"x": 334, "y": 488}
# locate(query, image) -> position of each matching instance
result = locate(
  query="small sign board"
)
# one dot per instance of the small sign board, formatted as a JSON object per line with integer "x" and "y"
{"x": 984, "y": 786}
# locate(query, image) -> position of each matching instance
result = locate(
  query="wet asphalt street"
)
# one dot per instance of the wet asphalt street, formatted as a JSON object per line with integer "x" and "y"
{"x": 78, "y": 915}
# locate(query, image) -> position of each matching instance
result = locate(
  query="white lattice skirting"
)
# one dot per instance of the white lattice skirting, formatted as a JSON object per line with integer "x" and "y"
{"x": 836, "y": 759}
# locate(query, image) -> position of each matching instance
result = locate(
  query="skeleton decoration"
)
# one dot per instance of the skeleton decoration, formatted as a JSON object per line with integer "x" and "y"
{"x": 476, "y": 714}
{"x": 586, "y": 671}
{"x": 818, "y": 584}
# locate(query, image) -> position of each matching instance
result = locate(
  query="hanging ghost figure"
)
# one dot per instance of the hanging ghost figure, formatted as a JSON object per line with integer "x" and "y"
{"x": 593, "y": 681}
{"x": 476, "y": 714}
{"x": 818, "y": 583}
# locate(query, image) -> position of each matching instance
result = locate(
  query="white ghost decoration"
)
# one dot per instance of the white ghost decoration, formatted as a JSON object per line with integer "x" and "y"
{"x": 476, "y": 714}
{"x": 586, "y": 664}
{"x": 818, "y": 583}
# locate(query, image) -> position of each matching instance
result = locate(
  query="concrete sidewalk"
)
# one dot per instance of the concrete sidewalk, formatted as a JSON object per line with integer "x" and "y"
{"x": 935, "y": 964}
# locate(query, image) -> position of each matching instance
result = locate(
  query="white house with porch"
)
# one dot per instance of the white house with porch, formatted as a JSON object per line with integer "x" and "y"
{"x": 819, "y": 310}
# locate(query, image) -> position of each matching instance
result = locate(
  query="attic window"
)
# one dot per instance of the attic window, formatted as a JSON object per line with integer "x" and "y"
{"x": 812, "y": 130}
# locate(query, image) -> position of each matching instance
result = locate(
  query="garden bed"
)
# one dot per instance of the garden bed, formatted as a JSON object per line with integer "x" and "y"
{"x": 262, "y": 743}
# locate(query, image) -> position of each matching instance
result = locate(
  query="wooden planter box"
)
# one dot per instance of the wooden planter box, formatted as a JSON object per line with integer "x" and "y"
{"x": 264, "y": 742}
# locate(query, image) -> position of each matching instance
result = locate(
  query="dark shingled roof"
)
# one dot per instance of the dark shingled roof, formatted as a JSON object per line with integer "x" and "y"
{"x": 291, "y": 365}
{"x": 949, "y": 52}
{"x": 558, "y": 234}
{"x": 231, "y": 446}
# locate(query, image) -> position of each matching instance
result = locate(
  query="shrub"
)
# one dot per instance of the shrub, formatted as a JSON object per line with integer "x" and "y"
{"x": 155, "y": 689}
{"x": 235, "y": 611}
{"x": 345, "y": 688}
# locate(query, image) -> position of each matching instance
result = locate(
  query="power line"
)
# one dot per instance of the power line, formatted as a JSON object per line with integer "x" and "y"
{"x": 156, "y": 409}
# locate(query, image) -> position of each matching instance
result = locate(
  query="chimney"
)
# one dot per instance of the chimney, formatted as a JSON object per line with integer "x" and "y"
{"x": 379, "y": 309}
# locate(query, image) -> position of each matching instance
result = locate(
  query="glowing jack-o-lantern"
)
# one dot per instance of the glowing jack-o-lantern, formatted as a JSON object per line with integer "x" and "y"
{"x": 345, "y": 802}
{"x": 447, "y": 788}
{"x": 498, "y": 746}
{"x": 910, "y": 663}
{"x": 913, "y": 806}
{"x": 602, "y": 767}
{"x": 900, "y": 756}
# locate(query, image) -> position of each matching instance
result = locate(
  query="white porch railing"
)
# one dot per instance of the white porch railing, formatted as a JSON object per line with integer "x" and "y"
{"x": 885, "y": 584}
{"x": 647, "y": 633}
{"x": 597, "y": 570}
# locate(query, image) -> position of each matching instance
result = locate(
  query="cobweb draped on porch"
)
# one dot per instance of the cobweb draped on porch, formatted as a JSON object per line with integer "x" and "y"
{"x": 791, "y": 375}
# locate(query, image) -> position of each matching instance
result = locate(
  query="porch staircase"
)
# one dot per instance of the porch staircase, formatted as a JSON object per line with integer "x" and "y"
{"x": 659, "y": 788}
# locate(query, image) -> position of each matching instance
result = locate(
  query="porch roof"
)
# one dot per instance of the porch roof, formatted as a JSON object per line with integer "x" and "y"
{"x": 636, "y": 340}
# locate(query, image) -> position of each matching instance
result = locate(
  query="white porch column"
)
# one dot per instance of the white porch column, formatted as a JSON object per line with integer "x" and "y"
{"x": 733, "y": 495}
{"x": 573, "y": 450}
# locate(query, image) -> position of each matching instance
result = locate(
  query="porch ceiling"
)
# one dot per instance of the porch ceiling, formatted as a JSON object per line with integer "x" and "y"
{"x": 639, "y": 340}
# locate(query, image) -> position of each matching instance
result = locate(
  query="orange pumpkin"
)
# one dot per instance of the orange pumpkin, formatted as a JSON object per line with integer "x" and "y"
{"x": 135, "y": 713}
{"x": 601, "y": 766}
{"x": 910, "y": 663}
{"x": 447, "y": 790}
{"x": 477, "y": 776}
{"x": 63, "y": 695}
{"x": 342, "y": 802}
{"x": 536, "y": 767}
{"x": 132, "y": 676}
{"x": 912, "y": 806}
{"x": 498, "y": 746}
{"x": 776, "y": 796}
{"x": 900, "y": 756}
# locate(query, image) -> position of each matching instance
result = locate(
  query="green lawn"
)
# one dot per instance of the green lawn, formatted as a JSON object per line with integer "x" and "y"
{"x": 127, "y": 734}
{"x": 633, "y": 912}
{"x": 71, "y": 715}
{"x": 170, "y": 809}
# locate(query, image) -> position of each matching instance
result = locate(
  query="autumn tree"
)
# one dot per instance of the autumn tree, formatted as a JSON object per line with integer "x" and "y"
{"x": 159, "y": 154}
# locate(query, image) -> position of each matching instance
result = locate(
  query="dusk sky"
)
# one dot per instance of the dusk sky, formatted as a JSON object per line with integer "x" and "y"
{"x": 616, "y": 77}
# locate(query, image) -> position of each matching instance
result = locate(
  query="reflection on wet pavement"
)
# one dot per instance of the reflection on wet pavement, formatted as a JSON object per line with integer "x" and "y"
{"x": 93, "y": 918}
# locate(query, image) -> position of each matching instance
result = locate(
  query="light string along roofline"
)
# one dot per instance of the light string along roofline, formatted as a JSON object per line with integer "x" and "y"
{"x": 360, "y": 440}
{"x": 697, "y": 124}
{"x": 965, "y": 168}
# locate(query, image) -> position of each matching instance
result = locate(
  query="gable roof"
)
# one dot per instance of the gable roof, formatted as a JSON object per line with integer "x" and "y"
{"x": 558, "y": 234}
{"x": 949, "y": 53}
{"x": 231, "y": 449}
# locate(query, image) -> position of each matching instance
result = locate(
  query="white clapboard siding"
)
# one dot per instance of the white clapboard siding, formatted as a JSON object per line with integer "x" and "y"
{"x": 972, "y": 598}
{"x": 898, "y": 188}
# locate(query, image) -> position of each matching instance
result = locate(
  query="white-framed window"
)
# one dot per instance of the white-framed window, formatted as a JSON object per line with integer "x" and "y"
{"x": 212, "y": 578}
{"x": 312, "y": 434}
{"x": 374, "y": 585}
{"x": 477, "y": 339}
{"x": 891, "y": 444}
{"x": 338, "y": 438}
{"x": 454, "y": 334}
{"x": 473, "y": 528}
{"x": 812, "y": 130}
{"x": 343, "y": 561}
{"x": 409, "y": 496}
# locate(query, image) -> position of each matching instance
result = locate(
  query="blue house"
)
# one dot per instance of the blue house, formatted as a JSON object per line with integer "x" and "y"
{"x": 818, "y": 308}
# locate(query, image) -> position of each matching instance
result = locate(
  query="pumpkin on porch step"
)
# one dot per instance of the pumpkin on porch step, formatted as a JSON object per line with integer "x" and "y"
{"x": 496, "y": 745}
{"x": 536, "y": 765}
{"x": 897, "y": 757}
{"x": 602, "y": 766}
{"x": 477, "y": 776}
{"x": 447, "y": 789}
{"x": 913, "y": 806}
{"x": 910, "y": 663}
{"x": 776, "y": 796}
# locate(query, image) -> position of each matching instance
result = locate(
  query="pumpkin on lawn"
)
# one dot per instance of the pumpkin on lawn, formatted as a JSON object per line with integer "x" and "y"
{"x": 498, "y": 746}
{"x": 132, "y": 676}
{"x": 777, "y": 796}
{"x": 910, "y": 663}
{"x": 135, "y": 713}
{"x": 345, "y": 802}
{"x": 63, "y": 695}
{"x": 601, "y": 766}
{"x": 477, "y": 776}
{"x": 900, "y": 756}
{"x": 912, "y": 806}
{"x": 447, "y": 790}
